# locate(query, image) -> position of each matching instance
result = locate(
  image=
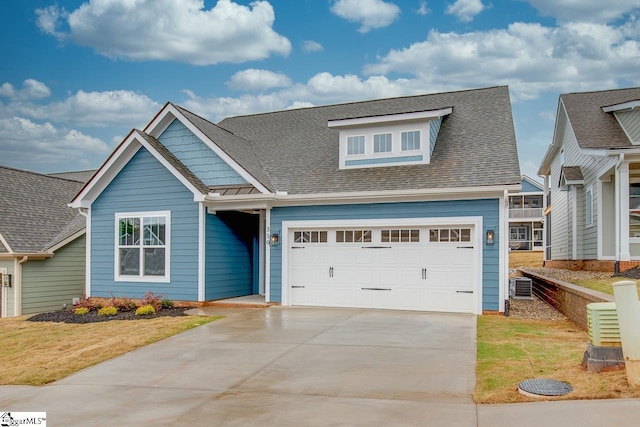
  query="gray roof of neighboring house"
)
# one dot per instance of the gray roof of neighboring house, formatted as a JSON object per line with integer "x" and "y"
{"x": 476, "y": 145}
{"x": 33, "y": 210}
{"x": 593, "y": 127}
{"x": 80, "y": 176}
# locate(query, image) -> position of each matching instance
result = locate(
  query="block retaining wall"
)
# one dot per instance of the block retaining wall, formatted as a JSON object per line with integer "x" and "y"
{"x": 571, "y": 300}
{"x": 590, "y": 265}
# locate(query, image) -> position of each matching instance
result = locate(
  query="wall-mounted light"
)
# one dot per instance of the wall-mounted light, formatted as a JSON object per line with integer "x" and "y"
{"x": 5, "y": 279}
{"x": 274, "y": 240}
{"x": 490, "y": 237}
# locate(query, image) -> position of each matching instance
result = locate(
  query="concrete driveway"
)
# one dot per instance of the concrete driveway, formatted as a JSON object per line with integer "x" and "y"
{"x": 279, "y": 366}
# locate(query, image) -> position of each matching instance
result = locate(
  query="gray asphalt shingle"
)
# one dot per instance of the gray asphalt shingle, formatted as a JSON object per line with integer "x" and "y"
{"x": 33, "y": 210}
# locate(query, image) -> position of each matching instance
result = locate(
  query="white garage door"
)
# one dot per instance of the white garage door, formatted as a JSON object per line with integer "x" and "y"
{"x": 406, "y": 268}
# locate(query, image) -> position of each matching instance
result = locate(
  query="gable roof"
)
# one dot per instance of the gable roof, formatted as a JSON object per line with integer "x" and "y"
{"x": 476, "y": 144}
{"x": 593, "y": 127}
{"x": 571, "y": 175}
{"x": 80, "y": 176}
{"x": 33, "y": 211}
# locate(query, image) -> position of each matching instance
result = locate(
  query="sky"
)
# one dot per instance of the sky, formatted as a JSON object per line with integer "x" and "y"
{"x": 76, "y": 76}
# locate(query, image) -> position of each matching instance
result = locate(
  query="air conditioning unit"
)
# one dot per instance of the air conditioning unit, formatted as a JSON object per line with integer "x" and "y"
{"x": 602, "y": 321}
{"x": 520, "y": 288}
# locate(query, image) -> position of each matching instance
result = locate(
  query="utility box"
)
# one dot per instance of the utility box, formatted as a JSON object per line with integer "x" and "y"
{"x": 520, "y": 288}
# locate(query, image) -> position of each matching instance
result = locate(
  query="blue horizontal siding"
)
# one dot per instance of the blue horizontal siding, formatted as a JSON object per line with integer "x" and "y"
{"x": 197, "y": 156}
{"x": 488, "y": 209}
{"x": 229, "y": 255}
{"x": 383, "y": 160}
{"x": 527, "y": 187}
{"x": 434, "y": 129}
{"x": 145, "y": 185}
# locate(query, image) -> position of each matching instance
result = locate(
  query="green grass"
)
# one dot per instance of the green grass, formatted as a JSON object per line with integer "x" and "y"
{"x": 603, "y": 285}
{"x": 512, "y": 350}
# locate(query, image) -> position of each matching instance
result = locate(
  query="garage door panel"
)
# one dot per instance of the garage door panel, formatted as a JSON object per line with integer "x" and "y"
{"x": 431, "y": 276}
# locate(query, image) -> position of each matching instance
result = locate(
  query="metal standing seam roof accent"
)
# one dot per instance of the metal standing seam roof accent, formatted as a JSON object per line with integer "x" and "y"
{"x": 33, "y": 210}
{"x": 593, "y": 127}
{"x": 476, "y": 145}
{"x": 234, "y": 190}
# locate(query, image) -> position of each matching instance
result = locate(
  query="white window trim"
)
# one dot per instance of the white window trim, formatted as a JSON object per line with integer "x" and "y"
{"x": 412, "y": 150}
{"x": 167, "y": 253}
{"x": 364, "y": 145}
{"x": 386, "y": 135}
{"x": 588, "y": 221}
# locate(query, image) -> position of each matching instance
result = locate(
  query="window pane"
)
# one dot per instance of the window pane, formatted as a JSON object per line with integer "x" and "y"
{"x": 339, "y": 236}
{"x": 454, "y": 235}
{"x": 415, "y": 235}
{"x": 314, "y": 237}
{"x": 385, "y": 236}
{"x": 404, "y": 235}
{"x": 129, "y": 262}
{"x": 355, "y": 145}
{"x": 411, "y": 140}
{"x": 395, "y": 235}
{"x": 154, "y": 231}
{"x": 297, "y": 237}
{"x": 444, "y": 235}
{"x": 366, "y": 236}
{"x": 465, "y": 235}
{"x": 433, "y": 235}
{"x": 323, "y": 237}
{"x": 382, "y": 143}
{"x": 129, "y": 231}
{"x": 154, "y": 262}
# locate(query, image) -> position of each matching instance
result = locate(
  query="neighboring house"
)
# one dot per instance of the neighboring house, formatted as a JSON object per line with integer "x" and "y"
{"x": 394, "y": 203}
{"x": 592, "y": 170}
{"x": 526, "y": 218}
{"x": 42, "y": 243}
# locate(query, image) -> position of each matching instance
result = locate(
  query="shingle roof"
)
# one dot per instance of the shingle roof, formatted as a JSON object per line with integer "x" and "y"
{"x": 593, "y": 127}
{"x": 33, "y": 210}
{"x": 80, "y": 176}
{"x": 572, "y": 173}
{"x": 476, "y": 145}
{"x": 238, "y": 148}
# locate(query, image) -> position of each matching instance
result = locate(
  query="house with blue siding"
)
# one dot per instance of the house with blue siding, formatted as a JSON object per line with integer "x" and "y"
{"x": 398, "y": 203}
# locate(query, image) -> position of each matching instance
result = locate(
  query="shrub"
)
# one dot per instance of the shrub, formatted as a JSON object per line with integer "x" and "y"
{"x": 80, "y": 311}
{"x": 85, "y": 303}
{"x": 167, "y": 303}
{"x": 153, "y": 300}
{"x": 145, "y": 309}
{"x": 123, "y": 303}
{"x": 108, "y": 311}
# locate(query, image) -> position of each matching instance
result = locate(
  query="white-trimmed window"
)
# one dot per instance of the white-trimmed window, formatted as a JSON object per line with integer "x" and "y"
{"x": 353, "y": 236}
{"x": 450, "y": 235}
{"x": 400, "y": 235}
{"x": 310, "y": 236}
{"x": 382, "y": 143}
{"x": 355, "y": 145}
{"x": 142, "y": 246}
{"x": 410, "y": 140}
{"x": 588, "y": 206}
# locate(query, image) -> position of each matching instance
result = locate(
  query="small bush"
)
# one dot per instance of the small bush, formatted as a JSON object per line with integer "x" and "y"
{"x": 108, "y": 311}
{"x": 80, "y": 311}
{"x": 85, "y": 303}
{"x": 167, "y": 303}
{"x": 153, "y": 300}
{"x": 123, "y": 303}
{"x": 145, "y": 309}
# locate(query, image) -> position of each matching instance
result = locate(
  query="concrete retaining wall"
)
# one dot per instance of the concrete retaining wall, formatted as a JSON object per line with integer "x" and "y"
{"x": 571, "y": 300}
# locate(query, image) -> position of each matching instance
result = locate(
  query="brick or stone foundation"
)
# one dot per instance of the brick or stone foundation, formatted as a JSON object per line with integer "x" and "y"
{"x": 590, "y": 265}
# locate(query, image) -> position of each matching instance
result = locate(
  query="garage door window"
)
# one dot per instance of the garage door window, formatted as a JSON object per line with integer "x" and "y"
{"x": 401, "y": 235}
{"x": 311, "y": 236}
{"x": 353, "y": 236}
{"x": 450, "y": 235}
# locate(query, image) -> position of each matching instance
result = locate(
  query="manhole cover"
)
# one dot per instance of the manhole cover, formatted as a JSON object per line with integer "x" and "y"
{"x": 543, "y": 387}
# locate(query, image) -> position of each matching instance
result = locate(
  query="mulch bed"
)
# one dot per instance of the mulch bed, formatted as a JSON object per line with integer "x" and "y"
{"x": 68, "y": 316}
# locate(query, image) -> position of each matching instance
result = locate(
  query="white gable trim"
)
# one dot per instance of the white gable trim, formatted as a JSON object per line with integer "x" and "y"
{"x": 623, "y": 106}
{"x": 420, "y": 115}
{"x": 170, "y": 112}
{"x": 67, "y": 240}
{"x": 114, "y": 164}
{"x": 6, "y": 245}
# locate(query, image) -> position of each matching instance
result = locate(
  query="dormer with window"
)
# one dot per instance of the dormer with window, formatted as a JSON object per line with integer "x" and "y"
{"x": 628, "y": 116}
{"x": 388, "y": 140}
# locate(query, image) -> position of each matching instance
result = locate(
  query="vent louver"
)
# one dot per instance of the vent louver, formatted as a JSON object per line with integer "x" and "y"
{"x": 520, "y": 288}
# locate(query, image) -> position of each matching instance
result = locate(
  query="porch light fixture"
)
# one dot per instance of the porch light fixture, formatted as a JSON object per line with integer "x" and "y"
{"x": 490, "y": 237}
{"x": 5, "y": 280}
{"x": 274, "y": 240}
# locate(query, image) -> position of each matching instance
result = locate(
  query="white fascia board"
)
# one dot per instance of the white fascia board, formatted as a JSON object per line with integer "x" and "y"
{"x": 624, "y": 106}
{"x": 6, "y": 245}
{"x": 29, "y": 255}
{"x": 67, "y": 240}
{"x": 625, "y": 151}
{"x": 545, "y": 165}
{"x": 166, "y": 116}
{"x": 420, "y": 115}
{"x": 107, "y": 172}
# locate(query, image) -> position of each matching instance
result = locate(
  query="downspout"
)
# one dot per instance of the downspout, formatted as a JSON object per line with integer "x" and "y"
{"x": 503, "y": 238}
{"x": 17, "y": 289}
{"x": 87, "y": 243}
{"x": 267, "y": 256}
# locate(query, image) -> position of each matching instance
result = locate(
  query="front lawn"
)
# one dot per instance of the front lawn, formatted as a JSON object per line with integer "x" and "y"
{"x": 603, "y": 285}
{"x": 37, "y": 353}
{"x": 512, "y": 350}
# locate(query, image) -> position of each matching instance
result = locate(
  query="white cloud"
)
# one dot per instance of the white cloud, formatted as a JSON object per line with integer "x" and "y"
{"x": 24, "y": 140}
{"x": 585, "y": 10}
{"x": 465, "y": 10}
{"x": 371, "y": 14}
{"x": 311, "y": 46}
{"x": 31, "y": 89}
{"x": 253, "y": 79}
{"x": 530, "y": 58}
{"x": 423, "y": 9}
{"x": 170, "y": 30}
{"x": 95, "y": 109}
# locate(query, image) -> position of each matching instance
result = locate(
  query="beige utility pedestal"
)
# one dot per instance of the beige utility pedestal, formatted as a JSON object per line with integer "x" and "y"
{"x": 628, "y": 308}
